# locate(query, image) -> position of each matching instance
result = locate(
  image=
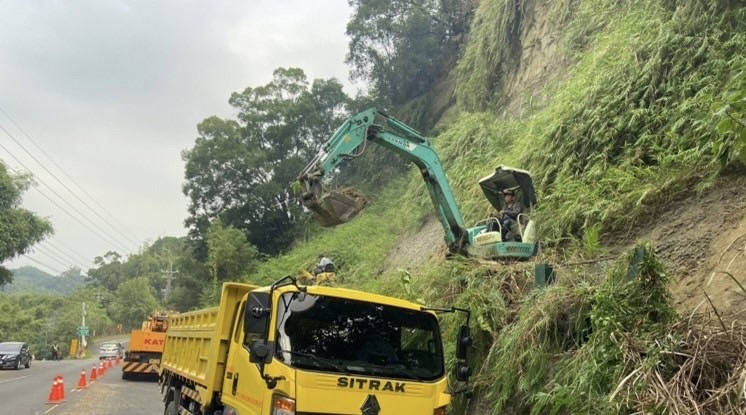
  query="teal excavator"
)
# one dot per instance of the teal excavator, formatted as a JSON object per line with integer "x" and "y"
{"x": 484, "y": 240}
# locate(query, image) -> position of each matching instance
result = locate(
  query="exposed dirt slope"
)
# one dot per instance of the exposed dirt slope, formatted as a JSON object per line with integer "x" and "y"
{"x": 697, "y": 238}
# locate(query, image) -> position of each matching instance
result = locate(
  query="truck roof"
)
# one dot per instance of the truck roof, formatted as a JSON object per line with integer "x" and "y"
{"x": 349, "y": 293}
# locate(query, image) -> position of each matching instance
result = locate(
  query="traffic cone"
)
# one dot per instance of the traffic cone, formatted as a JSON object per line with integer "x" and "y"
{"x": 54, "y": 393}
{"x": 93, "y": 373}
{"x": 61, "y": 385}
{"x": 108, "y": 364}
{"x": 117, "y": 362}
{"x": 101, "y": 369}
{"x": 81, "y": 382}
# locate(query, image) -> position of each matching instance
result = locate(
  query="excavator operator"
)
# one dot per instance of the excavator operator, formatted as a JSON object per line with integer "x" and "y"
{"x": 508, "y": 216}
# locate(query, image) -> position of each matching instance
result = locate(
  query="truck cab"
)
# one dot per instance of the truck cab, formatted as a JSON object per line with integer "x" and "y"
{"x": 317, "y": 350}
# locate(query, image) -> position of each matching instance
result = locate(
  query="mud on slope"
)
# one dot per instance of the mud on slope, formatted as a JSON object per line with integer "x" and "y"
{"x": 697, "y": 238}
{"x": 701, "y": 236}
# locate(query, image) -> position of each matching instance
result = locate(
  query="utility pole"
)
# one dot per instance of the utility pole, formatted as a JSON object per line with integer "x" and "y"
{"x": 83, "y": 332}
{"x": 169, "y": 277}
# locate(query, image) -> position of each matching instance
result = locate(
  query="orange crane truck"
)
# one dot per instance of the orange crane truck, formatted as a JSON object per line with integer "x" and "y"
{"x": 146, "y": 347}
{"x": 290, "y": 349}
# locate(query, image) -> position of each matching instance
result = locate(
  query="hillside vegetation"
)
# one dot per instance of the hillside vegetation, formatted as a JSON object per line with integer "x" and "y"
{"x": 626, "y": 112}
{"x": 645, "y": 106}
{"x": 33, "y": 280}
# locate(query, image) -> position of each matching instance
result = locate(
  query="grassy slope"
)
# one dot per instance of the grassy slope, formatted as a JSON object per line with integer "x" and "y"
{"x": 627, "y": 129}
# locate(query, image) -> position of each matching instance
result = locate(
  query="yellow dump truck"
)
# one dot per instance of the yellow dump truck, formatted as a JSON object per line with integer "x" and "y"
{"x": 145, "y": 348}
{"x": 289, "y": 349}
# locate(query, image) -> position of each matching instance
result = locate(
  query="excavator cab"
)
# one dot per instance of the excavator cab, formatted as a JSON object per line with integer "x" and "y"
{"x": 485, "y": 239}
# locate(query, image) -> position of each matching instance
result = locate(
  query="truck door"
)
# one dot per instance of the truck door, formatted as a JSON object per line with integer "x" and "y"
{"x": 243, "y": 387}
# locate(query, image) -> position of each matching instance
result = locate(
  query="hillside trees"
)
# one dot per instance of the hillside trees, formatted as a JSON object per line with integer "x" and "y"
{"x": 19, "y": 228}
{"x": 401, "y": 46}
{"x": 133, "y": 301}
{"x": 230, "y": 256}
{"x": 240, "y": 170}
{"x": 44, "y": 319}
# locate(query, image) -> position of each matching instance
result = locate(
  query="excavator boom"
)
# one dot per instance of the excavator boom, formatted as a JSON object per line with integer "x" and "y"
{"x": 348, "y": 142}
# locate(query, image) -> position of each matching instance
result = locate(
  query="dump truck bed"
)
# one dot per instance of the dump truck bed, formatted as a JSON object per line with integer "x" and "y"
{"x": 197, "y": 342}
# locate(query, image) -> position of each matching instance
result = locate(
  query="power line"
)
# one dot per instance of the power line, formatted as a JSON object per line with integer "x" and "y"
{"x": 73, "y": 253}
{"x": 62, "y": 198}
{"x": 43, "y": 265}
{"x": 70, "y": 252}
{"x": 62, "y": 255}
{"x": 54, "y": 258}
{"x": 57, "y": 204}
{"x": 56, "y": 178}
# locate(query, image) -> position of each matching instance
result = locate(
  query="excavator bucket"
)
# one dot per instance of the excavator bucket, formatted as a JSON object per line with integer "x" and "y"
{"x": 336, "y": 207}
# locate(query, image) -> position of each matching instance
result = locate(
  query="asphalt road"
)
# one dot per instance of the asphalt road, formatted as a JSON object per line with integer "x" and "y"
{"x": 25, "y": 391}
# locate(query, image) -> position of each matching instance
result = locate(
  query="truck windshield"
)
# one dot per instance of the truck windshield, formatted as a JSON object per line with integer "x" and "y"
{"x": 341, "y": 335}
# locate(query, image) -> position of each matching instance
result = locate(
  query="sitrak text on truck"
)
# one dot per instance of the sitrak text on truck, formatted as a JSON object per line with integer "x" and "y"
{"x": 289, "y": 349}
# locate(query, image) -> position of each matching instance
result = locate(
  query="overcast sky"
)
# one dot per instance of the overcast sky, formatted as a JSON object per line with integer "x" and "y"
{"x": 112, "y": 91}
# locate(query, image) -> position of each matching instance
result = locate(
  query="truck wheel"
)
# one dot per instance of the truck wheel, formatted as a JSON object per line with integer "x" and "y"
{"x": 170, "y": 409}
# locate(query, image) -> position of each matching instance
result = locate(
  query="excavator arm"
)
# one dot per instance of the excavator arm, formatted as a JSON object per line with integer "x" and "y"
{"x": 348, "y": 142}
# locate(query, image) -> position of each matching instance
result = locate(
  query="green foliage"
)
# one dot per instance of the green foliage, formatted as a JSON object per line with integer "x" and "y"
{"x": 627, "y": 316}
{"x": 400, "y": 46}
{"x": 229, "y": 257}
{"x": 493, "y": 50}
{"x": 133, "y": 301}
{"x": 44, "y": 319}
{"x": 730, "y": 117}
{"x": 229, "y": 253}
{"x": 630, "y": 125}
{"x": 357, "y": 248}
{"x": 33, "y": 280}
{"x": 20, "y": 229}
{"x": 241, "y": 170}
{"x": 109, "y": 271}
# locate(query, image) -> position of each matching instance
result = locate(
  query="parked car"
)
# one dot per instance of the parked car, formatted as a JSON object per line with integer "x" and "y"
{"x": 14, "y": 355}
{"x": 110, "y": 350}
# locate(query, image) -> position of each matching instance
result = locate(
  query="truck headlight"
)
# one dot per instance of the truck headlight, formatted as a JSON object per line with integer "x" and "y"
{"x": 282, "y": 405}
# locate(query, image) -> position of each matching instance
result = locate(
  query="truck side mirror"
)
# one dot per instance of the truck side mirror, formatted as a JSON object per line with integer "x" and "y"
{"x": 260, "y": 351}
{"x": 256, "y": 315}
{"x": 463, "y": 371}
{"x": 463, "y": 342}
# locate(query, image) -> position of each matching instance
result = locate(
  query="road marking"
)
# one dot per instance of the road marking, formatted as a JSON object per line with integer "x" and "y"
{"x": 10, "y": 380}
{"x": 47, "y": 411}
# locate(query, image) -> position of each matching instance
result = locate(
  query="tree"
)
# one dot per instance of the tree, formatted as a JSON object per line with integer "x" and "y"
{"x": 110, "y": 271}
{"x": 241, "y": 170}
{"x": 230, "y": 256}
{"x": 401, "y": 46}
{"x": 20, "y": 229}
{"x": 133, "y": 302}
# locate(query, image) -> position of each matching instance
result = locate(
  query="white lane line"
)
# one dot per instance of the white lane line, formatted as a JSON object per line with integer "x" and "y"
{"x": 10, "y": 380}
{"x": 47, "y": 411}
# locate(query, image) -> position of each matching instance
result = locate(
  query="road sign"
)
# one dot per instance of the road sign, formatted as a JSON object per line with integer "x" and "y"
{"x": 82, "y": 331}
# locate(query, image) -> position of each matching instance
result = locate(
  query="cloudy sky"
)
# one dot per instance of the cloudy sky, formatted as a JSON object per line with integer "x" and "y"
{"x": 106, "y": 94}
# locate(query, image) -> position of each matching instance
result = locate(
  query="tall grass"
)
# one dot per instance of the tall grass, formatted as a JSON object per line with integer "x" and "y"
{"x": 629, "y": 128}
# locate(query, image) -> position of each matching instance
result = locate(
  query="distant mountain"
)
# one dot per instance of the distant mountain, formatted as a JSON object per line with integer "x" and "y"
{"x": 31, "y": 279}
